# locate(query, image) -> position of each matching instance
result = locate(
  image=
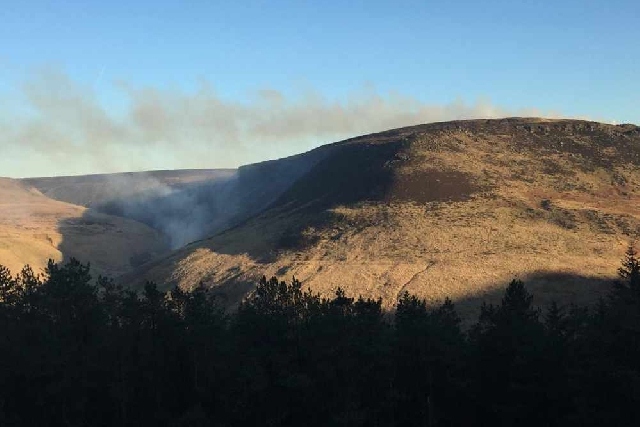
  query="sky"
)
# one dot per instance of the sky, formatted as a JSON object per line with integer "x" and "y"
{"x": 95, "y": 87}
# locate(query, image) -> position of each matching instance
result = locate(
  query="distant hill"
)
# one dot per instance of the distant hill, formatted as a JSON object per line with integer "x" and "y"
{"x": 34, "y": 228}
{"x": 445, "y": 209}
{"x": 94, "y": 191}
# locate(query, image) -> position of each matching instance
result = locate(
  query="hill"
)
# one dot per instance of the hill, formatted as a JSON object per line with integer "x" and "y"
{"x": 34, "y": 228}
{"x": 446, "y": 209}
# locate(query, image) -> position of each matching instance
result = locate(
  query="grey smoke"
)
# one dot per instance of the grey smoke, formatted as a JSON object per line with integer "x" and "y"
{"x": 189, "y": 211}
{"x": 60, "y": 126}
{"x": 184, "y": 209}
{"x": 185, "y": 205}
{"x": 182, "y": 213}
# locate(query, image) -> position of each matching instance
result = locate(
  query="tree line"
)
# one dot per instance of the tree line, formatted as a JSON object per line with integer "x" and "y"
{"x": 81, "y": 352}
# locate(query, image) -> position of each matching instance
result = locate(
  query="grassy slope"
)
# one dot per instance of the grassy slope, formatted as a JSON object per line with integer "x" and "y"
{"x": 34, "y": 228}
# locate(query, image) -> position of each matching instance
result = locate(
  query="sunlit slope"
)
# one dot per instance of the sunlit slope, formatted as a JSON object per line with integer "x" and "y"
{"x": 34, "y": 228}
{"x": 447, "y": 209}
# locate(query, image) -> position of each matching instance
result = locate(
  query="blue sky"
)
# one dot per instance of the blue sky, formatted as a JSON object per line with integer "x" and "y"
{"x": 563, "y": 57}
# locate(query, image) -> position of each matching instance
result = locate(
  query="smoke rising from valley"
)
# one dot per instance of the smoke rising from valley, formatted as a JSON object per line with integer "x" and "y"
{"x": 182, "y": 213}
{"x": 61, "y": 127}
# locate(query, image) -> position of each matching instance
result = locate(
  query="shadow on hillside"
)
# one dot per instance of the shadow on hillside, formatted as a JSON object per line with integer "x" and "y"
{"x": 353, "y": 174}
{"x": 546, "y": 286}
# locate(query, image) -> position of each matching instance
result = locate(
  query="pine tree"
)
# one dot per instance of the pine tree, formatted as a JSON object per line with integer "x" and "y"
{"x": 509, "y": 341}
{"x": 629, "y": 272}
{"x": 7, "y": 286}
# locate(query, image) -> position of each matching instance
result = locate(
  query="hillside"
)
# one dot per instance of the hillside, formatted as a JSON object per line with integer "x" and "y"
{"x": 34, "y": 228}
{"x": 446, "y": 209}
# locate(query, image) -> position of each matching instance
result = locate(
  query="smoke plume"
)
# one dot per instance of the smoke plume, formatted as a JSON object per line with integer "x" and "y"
{"x": 61, "y": 127}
